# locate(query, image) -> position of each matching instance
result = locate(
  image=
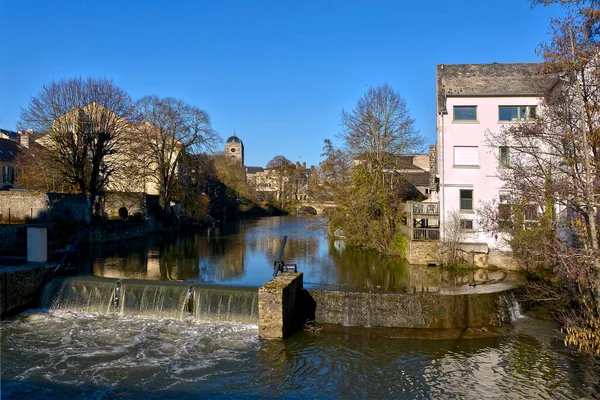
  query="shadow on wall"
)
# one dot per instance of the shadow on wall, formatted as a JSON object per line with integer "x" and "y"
{"x": 306, "y": 308}
{"x": 21, "y": 206}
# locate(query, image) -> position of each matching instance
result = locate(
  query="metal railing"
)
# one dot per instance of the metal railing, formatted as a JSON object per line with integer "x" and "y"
{"x": 426, "y": 234}
{"x": 426, "y": 208}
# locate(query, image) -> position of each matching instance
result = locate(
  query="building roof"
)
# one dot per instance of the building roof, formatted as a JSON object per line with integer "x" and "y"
{"x": 472, "y": 80}
{"x": 8, "y": 149}
{"x": 9, "y": 134}
{"x": 234, "y": 140}
{"x": 405, "y": 162}
{"x": 417, "y": 178}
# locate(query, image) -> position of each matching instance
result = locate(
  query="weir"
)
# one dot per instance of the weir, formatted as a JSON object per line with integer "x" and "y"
{"x": 146, "y": 299}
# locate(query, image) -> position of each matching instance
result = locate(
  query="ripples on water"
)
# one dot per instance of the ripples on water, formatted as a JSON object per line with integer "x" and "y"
{"x": 59, "y": 354}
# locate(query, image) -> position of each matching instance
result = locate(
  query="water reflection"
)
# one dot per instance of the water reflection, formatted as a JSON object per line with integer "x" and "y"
{"x": 242, "y": 253}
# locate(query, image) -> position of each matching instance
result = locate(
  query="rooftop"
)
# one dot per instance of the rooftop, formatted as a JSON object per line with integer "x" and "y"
{"x": 471, "y": 80}
{"x": 6, "y": 134}
{"x": 233, "y": 139}
{"x": 8, "y": 149}
{"x": 417, "y": 178}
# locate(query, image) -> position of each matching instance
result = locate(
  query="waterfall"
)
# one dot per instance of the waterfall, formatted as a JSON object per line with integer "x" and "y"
{"x": 79, "y": 294}
{"x": 510, "y": 307}
{"x": 227, "y": 304}
{"x": 152, "y": 299}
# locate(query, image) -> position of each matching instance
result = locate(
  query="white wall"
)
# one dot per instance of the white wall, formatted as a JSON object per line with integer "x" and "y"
{"x": 480, "y": 178}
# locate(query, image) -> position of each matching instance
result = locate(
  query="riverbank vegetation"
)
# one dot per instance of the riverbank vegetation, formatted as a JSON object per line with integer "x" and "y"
{"x": 360, "y": 175}
{"x": 548, "y": 210}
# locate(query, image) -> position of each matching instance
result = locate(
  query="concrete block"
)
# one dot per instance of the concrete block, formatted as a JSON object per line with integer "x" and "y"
{"x": 37, "y": 244}
{"x": 277, "y": 305}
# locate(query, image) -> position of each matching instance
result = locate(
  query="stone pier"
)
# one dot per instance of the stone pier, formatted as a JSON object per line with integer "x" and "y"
{"x": 277, "y": 305}
{"x": 20, "y": 287}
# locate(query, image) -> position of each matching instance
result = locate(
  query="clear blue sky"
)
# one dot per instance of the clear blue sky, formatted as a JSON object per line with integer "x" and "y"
{"x": 279, "y": 72}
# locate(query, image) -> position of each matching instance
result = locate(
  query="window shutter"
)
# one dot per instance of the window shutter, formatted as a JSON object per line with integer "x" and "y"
{"x": 466, "y": 156}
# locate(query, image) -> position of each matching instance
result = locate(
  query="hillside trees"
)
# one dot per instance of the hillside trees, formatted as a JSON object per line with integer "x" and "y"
{"x": 374, "y": 133}
{"x": 86, "y": 121}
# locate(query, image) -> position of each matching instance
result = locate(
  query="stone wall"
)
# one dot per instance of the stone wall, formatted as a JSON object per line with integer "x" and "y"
{"x": 425, "y": 252}
{"x": 20, "y": 287}
{"x": 69, "y": 207}
{"x": 12, "y": 238}
{"x": 23, "y": 205}
{"x": 133, "y": 202}
{"x": 113, "y": 233}
{"x": 431, "y": 311}
{"x": 43, "y": 207}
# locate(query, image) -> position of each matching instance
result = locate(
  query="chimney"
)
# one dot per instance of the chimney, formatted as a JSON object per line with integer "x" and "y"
{"x": 432, "y": 166}
{"x": 23, "y": 138}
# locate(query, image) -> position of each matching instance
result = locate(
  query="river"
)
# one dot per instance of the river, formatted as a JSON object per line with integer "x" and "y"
{"x": 53, "y": 353}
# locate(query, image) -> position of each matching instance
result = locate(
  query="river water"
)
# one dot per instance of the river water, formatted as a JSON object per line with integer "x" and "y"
{"x": 59, "y": 353}
{"x": 242, "y": 254}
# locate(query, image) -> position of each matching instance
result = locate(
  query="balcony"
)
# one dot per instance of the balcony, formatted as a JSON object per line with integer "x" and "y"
{"x": 426, "y": 234}
{"x": 423, "y": 221}
{"x": 426, "y": 209}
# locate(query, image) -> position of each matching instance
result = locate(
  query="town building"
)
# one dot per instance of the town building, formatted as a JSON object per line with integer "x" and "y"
{"x": 473, "y": 99}
{"x": 418, "y": 170}
{"x": 11, "y": 144}
{"x": 133, "y": 164}
{"x": 8, "y": 151}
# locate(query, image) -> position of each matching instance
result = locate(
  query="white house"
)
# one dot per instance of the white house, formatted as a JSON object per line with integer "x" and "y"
{"x": 472, "y": 99}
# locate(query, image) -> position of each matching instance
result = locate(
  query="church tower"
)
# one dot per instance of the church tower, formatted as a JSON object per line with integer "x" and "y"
{"x": 234, "y": 149}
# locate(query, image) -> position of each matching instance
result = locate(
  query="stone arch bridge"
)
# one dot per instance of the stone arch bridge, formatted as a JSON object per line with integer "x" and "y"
{"x": 315, "y": 207}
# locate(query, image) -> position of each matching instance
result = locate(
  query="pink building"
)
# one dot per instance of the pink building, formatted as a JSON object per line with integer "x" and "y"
{"x": 472, "y": 99}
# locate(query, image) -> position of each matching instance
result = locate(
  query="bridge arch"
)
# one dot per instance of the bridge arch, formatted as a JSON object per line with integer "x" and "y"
{"x": 307, "y": 210}
{"x": 315, "y": 207}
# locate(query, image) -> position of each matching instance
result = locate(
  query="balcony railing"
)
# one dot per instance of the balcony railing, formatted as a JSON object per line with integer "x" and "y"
{"x": 426, "y": 234}
{"x": 426, "y": 208}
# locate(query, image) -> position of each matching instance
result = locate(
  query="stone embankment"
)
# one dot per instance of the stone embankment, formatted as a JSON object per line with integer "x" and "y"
{"x": 20, "y": 287}
{"x": 284, "y": 306}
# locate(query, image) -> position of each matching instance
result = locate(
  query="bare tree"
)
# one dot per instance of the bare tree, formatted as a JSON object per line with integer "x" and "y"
{"x": 85, "y": 121}
{"x": 450, "y": 246}
{"x": 551, "y": 173}
{"x": 554, "y": 166}
{"x": 334, "y": 170}
{"x": 169, "y": 128}
{"x": 39, "y": 171}
{"x": 278, "y": 161}
{"x": 379, "y": 128}
{"x": 374, "y": 134}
